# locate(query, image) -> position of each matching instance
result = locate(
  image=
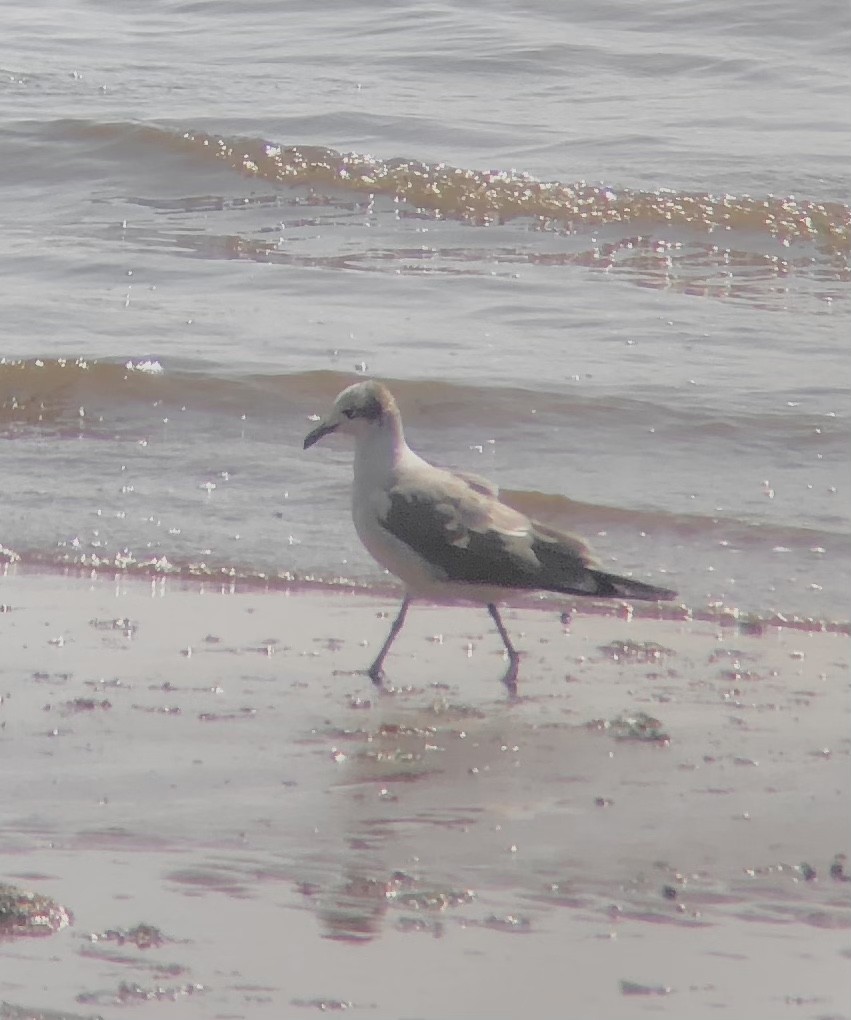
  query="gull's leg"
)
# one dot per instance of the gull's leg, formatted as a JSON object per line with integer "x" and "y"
{"x": 510, "y": 678}
{"x": 375, "y": 672}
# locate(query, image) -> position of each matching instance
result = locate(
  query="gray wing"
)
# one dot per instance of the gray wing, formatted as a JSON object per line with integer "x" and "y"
{"x": 484, "y": 486}
{"x": 472, "y": 538}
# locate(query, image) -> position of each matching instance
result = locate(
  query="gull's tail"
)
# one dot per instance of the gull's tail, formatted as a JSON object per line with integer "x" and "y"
{"x": 567, "y": 566}
{"x": 611, "y": 586}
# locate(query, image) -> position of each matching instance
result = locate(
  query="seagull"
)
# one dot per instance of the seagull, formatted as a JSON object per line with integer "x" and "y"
{"x": 446, "y": 535}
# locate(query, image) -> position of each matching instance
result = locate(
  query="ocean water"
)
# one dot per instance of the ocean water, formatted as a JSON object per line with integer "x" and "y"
{"x": 600, "y": 253}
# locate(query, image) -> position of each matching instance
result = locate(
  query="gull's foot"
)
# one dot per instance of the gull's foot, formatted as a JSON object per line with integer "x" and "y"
{"x": 510, "y": 676}
{"x": 375, "y": 674}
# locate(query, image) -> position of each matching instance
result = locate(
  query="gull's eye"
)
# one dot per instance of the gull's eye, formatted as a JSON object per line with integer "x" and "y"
{"x": 349, "y": 412}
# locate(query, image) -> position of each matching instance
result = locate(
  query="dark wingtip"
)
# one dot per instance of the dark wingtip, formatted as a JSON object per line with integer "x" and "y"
{"x": 614, "y": 587}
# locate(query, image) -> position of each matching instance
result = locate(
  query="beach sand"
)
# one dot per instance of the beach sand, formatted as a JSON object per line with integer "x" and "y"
{"x": 652, "y": 828}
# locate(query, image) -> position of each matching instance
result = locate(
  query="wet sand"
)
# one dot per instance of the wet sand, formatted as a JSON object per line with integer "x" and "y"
{"x": 655, "y": 827}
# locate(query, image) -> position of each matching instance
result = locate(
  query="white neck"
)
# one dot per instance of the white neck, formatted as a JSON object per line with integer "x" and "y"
{"x": 379, "y": 450}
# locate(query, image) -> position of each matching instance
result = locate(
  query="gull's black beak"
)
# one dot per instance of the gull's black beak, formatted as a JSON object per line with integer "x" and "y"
{"x": 321, "y": 430}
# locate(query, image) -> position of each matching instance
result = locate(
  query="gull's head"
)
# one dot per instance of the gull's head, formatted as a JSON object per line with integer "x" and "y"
{"x": 358, "y": 411}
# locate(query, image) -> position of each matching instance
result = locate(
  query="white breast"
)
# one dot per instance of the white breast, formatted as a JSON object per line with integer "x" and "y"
{"x": 368, "y": 506}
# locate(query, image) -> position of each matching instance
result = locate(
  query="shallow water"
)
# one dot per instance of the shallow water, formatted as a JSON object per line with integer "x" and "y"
{"x": 600, "y": 254}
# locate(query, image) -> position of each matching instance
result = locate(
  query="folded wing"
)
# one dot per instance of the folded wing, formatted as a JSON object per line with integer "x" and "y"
{"x": 469, "y": 537}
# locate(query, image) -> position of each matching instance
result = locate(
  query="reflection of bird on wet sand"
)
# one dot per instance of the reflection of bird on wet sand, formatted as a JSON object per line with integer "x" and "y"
{"x": 447, "y": 536}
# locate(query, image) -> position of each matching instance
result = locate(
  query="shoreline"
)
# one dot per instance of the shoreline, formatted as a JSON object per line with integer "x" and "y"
{"x": 229, "y": 583}
{"x": 665, "y": 807}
